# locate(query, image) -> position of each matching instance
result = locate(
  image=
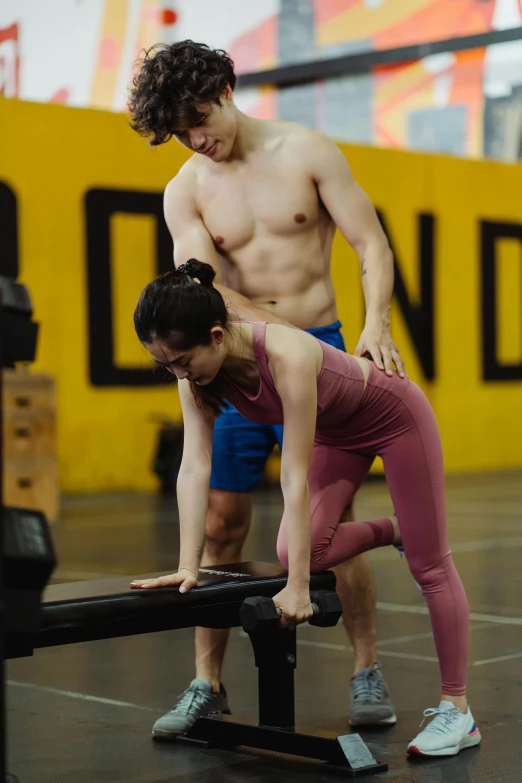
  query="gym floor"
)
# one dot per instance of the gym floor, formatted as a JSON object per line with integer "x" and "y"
{"x": 83, "y": 713}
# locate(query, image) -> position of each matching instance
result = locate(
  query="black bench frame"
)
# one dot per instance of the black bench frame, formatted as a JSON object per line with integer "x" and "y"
{"x": 276, "y": 659}
{"x": 104, "y": 609}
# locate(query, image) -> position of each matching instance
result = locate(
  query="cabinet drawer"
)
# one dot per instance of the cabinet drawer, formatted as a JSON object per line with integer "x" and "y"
{"x": 29, "y": 437}
{"x": 26, "y": 393}
{"x": 32, "y": 484}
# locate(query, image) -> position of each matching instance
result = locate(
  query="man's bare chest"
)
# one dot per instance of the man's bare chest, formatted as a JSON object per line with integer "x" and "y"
{"x": 237, "y": 210}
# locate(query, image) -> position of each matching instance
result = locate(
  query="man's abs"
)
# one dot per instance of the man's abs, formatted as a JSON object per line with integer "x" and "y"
{"x": 304, "y": 309}
{"x": 285, "y": 275}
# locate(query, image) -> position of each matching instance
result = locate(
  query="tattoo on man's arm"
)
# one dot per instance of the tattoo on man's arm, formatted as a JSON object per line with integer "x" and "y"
{"x": 363, "y": 270}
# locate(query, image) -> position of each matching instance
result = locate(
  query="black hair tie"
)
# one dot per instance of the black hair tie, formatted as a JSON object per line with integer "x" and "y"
{"x": 191, "y": 269}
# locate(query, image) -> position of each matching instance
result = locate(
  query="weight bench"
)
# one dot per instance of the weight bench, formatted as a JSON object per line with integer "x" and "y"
{"x": 108, "y": 608}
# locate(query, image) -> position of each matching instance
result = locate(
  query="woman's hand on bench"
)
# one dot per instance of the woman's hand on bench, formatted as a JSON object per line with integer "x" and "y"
{"x": 184, "y": 579}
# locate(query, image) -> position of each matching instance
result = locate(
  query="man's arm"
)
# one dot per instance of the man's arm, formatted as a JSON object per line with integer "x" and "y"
{"x": 192, "y": 240}
{"x": 355, "y": 216}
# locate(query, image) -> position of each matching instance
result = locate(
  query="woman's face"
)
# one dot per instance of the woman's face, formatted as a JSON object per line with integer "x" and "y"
{"x": 199, "y": 365}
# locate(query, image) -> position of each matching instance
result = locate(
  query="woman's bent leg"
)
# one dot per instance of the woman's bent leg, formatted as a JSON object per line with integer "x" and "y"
{"x": 334, "y": 478}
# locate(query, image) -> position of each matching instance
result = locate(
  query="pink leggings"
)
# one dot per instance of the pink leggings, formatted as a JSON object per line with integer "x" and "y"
{"x": 395, "y": 421}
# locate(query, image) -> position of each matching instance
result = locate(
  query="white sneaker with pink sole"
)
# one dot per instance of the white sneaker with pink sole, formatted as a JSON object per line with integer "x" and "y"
{"x": 447, "y": 733}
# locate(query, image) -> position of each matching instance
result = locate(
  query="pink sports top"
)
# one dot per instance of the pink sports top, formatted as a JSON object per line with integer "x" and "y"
{"x": 340, "y": 387}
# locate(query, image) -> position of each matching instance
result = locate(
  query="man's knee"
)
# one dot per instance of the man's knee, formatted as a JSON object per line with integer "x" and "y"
{"x": 228, "y": 521}
{"x": 354, "y": 567}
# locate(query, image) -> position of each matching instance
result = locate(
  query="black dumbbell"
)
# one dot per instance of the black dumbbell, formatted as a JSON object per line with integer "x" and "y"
{"x": 327, "y": 608}
{"x": 256, "y": 612}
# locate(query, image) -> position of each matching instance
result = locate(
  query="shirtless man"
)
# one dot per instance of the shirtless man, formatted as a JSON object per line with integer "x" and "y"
{"x": 260, "y": 202}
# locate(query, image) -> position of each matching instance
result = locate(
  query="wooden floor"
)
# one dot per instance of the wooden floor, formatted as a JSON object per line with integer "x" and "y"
{"x": 84, "y": 712}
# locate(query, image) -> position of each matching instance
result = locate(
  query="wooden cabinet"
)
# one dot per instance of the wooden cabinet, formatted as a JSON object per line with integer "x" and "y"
{"x": 29, "y": 442}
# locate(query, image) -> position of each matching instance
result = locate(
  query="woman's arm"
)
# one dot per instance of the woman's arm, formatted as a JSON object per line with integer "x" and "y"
{"x": 294, "y": 362}
{"x": 192, "y": 492}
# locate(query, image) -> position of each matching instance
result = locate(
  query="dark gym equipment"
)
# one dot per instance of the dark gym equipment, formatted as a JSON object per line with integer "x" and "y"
{"x": 276, "y": 658}
{"x": 29, "y": 561}
{"x": 258, "y": 611}
{"x": 107, "y": 608}
{"x": 169, "y": 451}
{"x": 18, "y": 333}
{"x": 24, "y": 537}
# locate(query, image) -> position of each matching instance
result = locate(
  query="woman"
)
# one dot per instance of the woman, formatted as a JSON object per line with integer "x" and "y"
{"x": 339, "y": 413}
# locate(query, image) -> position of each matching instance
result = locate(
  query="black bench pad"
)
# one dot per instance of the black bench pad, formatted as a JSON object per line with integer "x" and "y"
{"x": 108, "y": 608}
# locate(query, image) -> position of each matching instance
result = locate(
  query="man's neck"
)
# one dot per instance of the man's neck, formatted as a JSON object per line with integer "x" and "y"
{"x": 249, "y": 138}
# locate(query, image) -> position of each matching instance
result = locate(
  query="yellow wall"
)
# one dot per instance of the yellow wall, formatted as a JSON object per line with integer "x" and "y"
{"x": 50, "y": 156}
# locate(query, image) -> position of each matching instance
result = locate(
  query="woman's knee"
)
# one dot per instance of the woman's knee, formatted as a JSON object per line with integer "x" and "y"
{"x": 320, "y": 554}
{"x": 316, "y": 566}
{"x": 282, "y": 555}
{"x": 430, "y": 574}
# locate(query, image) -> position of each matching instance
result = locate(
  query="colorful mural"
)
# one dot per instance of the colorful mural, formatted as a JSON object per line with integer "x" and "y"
{"x": 468, "y": 103}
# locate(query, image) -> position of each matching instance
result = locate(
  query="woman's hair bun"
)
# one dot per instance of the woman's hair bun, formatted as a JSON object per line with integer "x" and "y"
{"x": 194, "y": 268}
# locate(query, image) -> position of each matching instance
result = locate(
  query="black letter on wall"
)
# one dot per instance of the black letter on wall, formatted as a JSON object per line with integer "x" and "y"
{"x": 8, "y": 232}
{"x": 419, "y": 318}
{"x": 492, "y": 370}
{"x": 100, "y": 205}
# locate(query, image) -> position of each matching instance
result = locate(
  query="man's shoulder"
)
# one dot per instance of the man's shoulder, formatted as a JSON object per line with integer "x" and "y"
{"x": 298, "y": 139}
{"x": 293, "y": 131}
{"x": 182, "y": 184}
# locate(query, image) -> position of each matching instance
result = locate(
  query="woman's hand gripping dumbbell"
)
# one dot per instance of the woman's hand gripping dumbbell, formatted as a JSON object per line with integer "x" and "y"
{"x": 258, "y": 613}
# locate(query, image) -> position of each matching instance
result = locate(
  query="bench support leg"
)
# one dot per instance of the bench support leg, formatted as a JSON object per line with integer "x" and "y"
{"x": 275, "y": 658}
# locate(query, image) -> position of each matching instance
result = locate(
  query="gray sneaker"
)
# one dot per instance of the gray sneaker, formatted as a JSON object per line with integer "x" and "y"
{"x": 370, "y": 702}
{"x": 199, "y": 699}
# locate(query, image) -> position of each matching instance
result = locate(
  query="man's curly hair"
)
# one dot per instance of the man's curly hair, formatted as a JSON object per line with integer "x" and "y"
{"x": 172, "y": 79}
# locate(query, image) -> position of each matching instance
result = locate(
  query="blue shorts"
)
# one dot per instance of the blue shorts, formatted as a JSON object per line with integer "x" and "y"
{"x": 241, "y": 447}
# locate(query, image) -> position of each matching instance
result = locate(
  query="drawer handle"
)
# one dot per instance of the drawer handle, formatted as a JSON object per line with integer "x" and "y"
{"x": 23, "y": 402}
{"x": 22, "y": 432}
{"x": 25, "y": 483}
